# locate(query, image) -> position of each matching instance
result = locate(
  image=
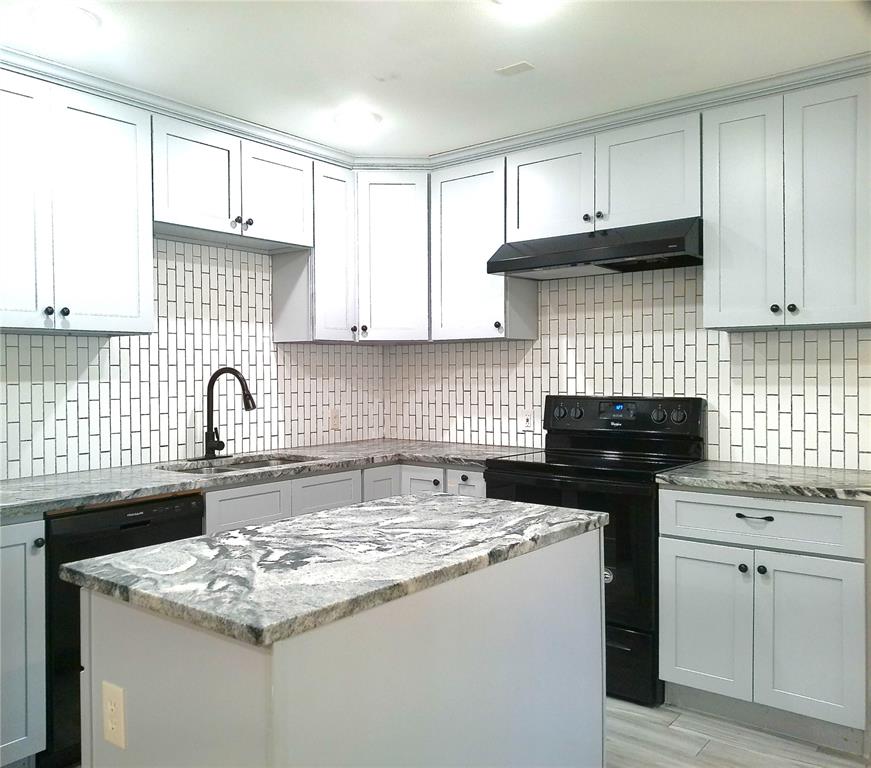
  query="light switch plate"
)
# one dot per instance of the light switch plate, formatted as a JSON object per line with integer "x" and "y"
{"x": 114, "y": 725}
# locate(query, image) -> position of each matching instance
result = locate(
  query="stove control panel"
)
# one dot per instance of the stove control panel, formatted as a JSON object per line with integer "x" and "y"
{"x": 673, "y": 415}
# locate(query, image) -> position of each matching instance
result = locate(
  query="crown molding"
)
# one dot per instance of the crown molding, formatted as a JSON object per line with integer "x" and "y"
{"x": 44, "y": 69}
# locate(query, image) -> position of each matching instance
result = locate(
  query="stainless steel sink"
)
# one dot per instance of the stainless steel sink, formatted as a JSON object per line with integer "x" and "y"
{"x": 240, "y": 464}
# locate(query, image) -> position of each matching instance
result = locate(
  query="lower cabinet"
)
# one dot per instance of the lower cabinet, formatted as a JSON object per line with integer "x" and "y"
{"x": 776, "y": 628}
{"x": 250, "y": 505}
{"x": 465, "y": 482}
{"x": 381, "y": 482}
{"x": 339, "y": 489}
{"x": 22, "y": 641}
{"x": 422, "y": 479}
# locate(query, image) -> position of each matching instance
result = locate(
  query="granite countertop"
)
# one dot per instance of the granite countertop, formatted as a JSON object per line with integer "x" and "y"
{"x": 262, "y": 584}
{"x": 815, "y": 482}
{"x": 31, "y": 498}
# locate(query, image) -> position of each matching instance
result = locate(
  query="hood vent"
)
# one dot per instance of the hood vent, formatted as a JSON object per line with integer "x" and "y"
{"x": 662, "y": 244}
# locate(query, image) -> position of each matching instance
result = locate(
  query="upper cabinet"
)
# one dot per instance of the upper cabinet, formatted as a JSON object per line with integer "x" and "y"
{"x": 75, "y": 169}
{"x": 208, "y": 180}
{"x": 392, "y": 242}
{"x": 787, "y": 216}
{"x": 648, "y": 172}
{"x": 550, "y": 190}
{"x": 467, "y": 212}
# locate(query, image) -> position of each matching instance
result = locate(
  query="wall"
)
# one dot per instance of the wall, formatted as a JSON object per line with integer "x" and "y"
{"x": 78, "y": 402}
{"x": 790, "y": 397}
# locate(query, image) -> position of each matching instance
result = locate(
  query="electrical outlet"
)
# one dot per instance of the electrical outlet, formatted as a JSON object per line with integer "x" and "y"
{"x": 114, "y": 727}
{"x": 335, "y": 418}
{"x": 527, "y": 423}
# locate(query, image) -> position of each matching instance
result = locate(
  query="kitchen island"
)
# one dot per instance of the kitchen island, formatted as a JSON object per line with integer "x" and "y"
{"x": 411, "y": 631}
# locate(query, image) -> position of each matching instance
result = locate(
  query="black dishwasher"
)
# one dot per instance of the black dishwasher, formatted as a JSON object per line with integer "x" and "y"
{"x": 77, "y": 536}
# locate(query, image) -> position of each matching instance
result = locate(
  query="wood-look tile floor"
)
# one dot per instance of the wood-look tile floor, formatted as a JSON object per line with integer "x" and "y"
{"x": 666, "y": 737}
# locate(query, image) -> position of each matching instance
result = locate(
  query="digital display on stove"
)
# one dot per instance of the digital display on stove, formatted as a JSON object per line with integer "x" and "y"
{"x": 617, "y": 410}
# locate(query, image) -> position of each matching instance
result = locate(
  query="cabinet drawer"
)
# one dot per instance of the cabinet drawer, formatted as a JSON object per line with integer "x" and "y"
{"x": 422, "y": 479}
{"x": 312, "y": 494}
{"x": 381, "y": 482}
{"x": 801, "y": 526}
{"x": 252, "y": 505}
{"x": 465, "y": 482}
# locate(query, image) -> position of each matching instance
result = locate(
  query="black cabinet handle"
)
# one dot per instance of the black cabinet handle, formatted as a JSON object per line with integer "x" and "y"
{"x": 762, "y": 570}
{"x": 766, "y": 518}
{"x": 65, "y": 311}
{"x": 436, "y": 483}
{"x": 39, "y": 543}
{"x": 49, "y": 311}
{"x": 792, "y": 308}
{"x": 587, "y": 217}
{"x": 743, "y": 568}
{"x": 364, "y": 328}
{"x": 497, "y": 325}
{"x": 600, "y": 215}
{"x": 249, "y": 222}
{"x": 775, "y": 308}
{"x": 464, "y": 478}
{"x": 353, "y": 329}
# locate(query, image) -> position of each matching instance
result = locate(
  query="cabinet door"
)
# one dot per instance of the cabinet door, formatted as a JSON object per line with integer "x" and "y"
{"x": 465, "y": 482}
{"x": 276, "y": 194}
{"x": 381, "y": 482}
{"x": 22, "y": 642}
{"x": 254, "y": 504}
{"x": 25, "y": 204}
{"x": 197, "y": 176}
{"x": 422, "y": 479}
{"x": 810, "y": 637}
{"x": 827, "y": 177}
{"x": 743, "y": 223}
{"x": 649, "y": 172}
{"x": 706, "y": 617}
{"x": 394, "y": 264}
{"x": 468, "y": 225}
{"x": 101, "y": 216}
{"x": 335, "y": 254}
{"x": 311, "y": 494}
{"x": 550, "y": 190}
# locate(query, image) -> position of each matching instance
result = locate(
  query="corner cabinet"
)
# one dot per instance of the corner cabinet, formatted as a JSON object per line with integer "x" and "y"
{"x": 787, "y": 210}
{"x": 217, "y": 184}
{"x": 392, "y": 228}
{"x": 22, "y": 641}
{"x": 75, "y": 187}
{"x": 467, "y": 227}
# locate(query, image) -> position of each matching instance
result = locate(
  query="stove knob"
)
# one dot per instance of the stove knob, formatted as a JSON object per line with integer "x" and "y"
{"x": 577, "y": 412}
{"x": 678, "y": 415}
{"x": 559, "y": 412}
{"x": 659, "y": 415}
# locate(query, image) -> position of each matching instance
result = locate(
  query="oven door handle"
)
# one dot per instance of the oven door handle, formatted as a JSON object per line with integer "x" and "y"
{"x": 618, "y": 646}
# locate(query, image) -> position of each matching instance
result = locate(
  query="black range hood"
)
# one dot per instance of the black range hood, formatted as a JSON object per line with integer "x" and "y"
{"x": 659, "y": 245}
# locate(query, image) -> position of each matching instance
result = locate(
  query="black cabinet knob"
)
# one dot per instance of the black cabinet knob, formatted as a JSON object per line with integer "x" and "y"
{"x": 792, "y": 308}
{"x": 237, "y": 220}
{"x": 436, "y": 483}
{"x": 249, "y": 222}
{"x": 775, "y": 308}
{"x": 587, "y": 217}
{"x": 65, "y": 311}
{"x": 364, "y": 328}
{"x": 39, "y": 543}
{"x": 600, "y": 215}
{"x": 743, "y": 568}
{"x": 497, "y": 325}
{"x": 464, "y": 478}
{"x": 762, "y": 570}
{"x": 49, "y": 311}
{"x": 353, "y": 329}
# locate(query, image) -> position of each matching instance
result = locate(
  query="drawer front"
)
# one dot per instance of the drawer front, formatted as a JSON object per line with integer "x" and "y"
{"x": 465, "y": 482}
{"x": 251, "y": 505}
{"x": 381, "y": 482}
{"x": 312, "y": 494}
{"x": 801, "y": 526}
{"x": 422, "y": 479}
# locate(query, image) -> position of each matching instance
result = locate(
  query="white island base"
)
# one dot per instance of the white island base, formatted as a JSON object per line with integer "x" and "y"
{"x": 501, "y": 667}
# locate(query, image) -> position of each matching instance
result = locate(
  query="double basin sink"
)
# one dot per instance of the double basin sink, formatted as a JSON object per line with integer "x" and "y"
{"x": 237, "y": 464}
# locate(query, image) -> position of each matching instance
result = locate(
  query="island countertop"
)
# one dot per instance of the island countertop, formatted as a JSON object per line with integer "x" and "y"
{"x": 262, "y": 584}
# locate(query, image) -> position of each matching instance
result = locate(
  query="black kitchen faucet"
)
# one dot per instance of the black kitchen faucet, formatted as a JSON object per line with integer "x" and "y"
{"x": 213, "y": 440}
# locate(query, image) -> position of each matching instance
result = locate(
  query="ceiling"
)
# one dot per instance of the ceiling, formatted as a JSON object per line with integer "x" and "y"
{"x": 428, "y": 67}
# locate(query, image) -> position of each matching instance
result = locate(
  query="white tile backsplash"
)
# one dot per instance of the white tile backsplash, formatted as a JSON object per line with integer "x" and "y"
{"x": 80, "y": 402}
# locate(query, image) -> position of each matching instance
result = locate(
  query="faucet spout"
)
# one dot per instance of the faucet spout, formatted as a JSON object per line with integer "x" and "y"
{"x": 213, "y": 440}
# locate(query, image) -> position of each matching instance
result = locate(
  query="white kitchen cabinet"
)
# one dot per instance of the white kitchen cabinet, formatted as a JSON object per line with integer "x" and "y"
{"x": 25, "y": 204}
{"x": 230, "y": 508}
{"x": 338, "y": 489}
{"x": 827, "y": 180}
{"x": 467, "y": 227}
{"x": 551, "y": 190}
{"x": 809, "y": 644}
{"x": 393, "y": 252}
{"x": 706, "y": 617}
{"x": 381, "y": 482}
{"x": 82, "y": 259}
{"x": 22, "y": 641}
{"x": 743, "y": 223}
{"x": 218, "y": 183}
{"x": 465, "y": 482}
{"x": 649, "y": 172}
{"x": 422, "y": 479}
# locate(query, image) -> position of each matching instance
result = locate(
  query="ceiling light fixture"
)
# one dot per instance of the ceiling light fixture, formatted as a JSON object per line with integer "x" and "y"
{"x": 66, "y": 18}
{"x": 356, "y": 117}
{"x": 522, "y": 12}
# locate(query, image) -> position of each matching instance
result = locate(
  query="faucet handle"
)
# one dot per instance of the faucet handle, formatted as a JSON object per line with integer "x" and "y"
{"x": 218, "y": 444}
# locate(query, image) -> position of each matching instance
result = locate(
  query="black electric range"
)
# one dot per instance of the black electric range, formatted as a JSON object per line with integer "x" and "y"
{"x": 603, "y": 454}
